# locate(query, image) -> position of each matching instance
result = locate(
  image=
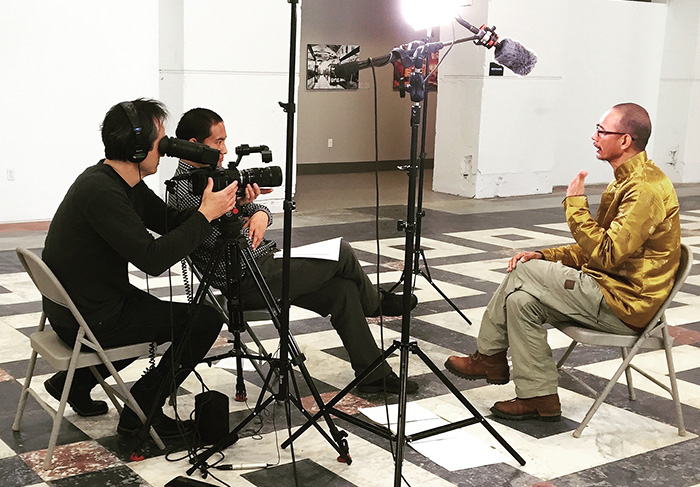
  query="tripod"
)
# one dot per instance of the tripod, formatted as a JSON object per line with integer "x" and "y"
{"x": 405, "y": 344}
{"x": 233, "y": 247}
{"x": 230, "y": 304}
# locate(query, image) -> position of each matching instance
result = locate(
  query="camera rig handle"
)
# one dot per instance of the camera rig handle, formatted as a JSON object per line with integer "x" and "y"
{"x": 245, "y": 149}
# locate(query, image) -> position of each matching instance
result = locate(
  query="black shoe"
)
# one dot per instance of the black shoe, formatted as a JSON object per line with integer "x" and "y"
{"x": 392, "y": 304}
{"x": 391, "y": 384}
{"x": 166, "y": 427}
{"x": 78, "y": 398}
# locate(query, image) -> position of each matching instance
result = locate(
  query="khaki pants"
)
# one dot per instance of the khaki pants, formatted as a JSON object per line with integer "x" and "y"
{"x": 534, "y": 293}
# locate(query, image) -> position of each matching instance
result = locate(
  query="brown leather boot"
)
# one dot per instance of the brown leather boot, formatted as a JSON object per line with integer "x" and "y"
{"x": 543, "y": 408}
{"x": 493, "y": 368}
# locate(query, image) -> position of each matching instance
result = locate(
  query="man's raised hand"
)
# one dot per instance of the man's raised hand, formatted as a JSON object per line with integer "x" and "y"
{"x": 577, "y": 186}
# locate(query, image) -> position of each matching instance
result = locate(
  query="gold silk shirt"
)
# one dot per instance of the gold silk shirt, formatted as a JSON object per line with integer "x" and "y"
{"x": 632, "y": 247}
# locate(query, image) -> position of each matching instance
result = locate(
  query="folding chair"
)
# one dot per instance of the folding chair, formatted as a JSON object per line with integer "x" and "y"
{"x": 62, "y": 357}
{"x": 654, "y": 337}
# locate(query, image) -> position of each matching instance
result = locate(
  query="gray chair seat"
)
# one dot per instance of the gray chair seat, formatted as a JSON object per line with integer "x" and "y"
{"x": 654, "y": 337}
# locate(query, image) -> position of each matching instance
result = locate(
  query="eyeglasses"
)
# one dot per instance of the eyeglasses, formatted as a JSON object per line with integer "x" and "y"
{"x": 600, "y": 132}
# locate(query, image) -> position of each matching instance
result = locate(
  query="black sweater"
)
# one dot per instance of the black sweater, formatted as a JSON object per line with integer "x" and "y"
{"x": 102, "y": 225}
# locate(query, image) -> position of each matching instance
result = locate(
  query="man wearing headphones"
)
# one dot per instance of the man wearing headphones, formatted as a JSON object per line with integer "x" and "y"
{"x": 104, "y": 224}
{"x": 339, "y": 288}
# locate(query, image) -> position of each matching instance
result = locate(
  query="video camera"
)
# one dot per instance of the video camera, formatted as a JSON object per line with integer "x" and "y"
{"x": 265, "y": 177}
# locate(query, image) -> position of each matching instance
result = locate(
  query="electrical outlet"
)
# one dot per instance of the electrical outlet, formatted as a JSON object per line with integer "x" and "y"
{"x": 330, "y": 142}
{"x": 10, "y": 174}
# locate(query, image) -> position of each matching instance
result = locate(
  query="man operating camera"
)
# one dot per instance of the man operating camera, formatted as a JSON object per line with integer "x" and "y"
{"x": 104, "y": 224}
{"x": 340, "y": 288}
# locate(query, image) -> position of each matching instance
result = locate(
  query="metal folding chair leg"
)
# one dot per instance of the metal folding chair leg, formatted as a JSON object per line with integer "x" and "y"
{"x": 25, "y": 392}
{"x": 668, "y": 344}
{"x": 628, "y": 376}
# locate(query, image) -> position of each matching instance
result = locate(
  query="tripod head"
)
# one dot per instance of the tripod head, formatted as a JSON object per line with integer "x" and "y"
{"x": 230, "y": 225}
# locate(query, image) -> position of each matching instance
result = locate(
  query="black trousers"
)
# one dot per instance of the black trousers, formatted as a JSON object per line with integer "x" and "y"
{"x": 146, "y": 318}
{"x": 340, "y": 289}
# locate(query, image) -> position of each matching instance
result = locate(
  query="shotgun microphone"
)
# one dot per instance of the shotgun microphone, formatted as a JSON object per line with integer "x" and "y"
{"x": 515, "y": 56}
{"x": 509, "y": 53}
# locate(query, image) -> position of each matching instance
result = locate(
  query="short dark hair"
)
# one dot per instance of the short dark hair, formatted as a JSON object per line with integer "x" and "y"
{"x": 635, "y": 120}
{"x": 118, "y": 132}
{"x": 196, "y": 124}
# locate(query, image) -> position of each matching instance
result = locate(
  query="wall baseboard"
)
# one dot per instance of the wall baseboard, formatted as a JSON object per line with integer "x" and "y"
{"x": 352, "y": 167}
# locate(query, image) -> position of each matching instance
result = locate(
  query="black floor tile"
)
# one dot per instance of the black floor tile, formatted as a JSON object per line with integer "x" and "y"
{"x": 111, "y": 477}
{"x": 306, "y": 472}
{"x": 15, "y": 473}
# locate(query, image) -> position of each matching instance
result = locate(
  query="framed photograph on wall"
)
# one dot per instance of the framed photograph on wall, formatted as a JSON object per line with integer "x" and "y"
{"x": 402, "y": 74}
{"x": 321, "y": 58}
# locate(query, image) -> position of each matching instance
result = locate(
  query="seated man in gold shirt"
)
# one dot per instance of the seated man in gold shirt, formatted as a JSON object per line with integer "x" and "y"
{"x": 614, "y": 278}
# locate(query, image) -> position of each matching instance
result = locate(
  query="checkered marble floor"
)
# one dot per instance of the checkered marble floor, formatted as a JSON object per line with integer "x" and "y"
{"x": 626, "y": 444}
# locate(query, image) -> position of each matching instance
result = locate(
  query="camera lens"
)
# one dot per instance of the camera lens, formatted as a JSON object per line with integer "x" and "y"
{"x": 266, "y": 177}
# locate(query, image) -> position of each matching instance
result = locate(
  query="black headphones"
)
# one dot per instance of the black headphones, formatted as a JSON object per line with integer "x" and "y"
{"x": 138, "y": 149}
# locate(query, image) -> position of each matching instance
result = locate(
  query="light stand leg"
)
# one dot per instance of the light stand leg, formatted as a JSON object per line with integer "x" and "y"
{"x": 290, "y": 109}
{"x": 338, "y": 440}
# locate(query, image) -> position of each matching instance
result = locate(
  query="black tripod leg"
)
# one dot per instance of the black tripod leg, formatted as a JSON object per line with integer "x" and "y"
{"x": 330, "y": 405}
{"x": 338, "y": 440}
{"x": 420, "y": 256}
{"x": 241, "y": 394}
{"x": 401, "y": 417}
{"x": 398, "y": 283}
{"x": 296, "y": 357}
{"x": 460, "y": 397}
{"x": 234, "y": 304}
{"x": 444, "y": 296}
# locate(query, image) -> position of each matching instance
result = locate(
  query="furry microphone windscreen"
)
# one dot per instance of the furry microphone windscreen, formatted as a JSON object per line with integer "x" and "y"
{"x": 515, "y": 57}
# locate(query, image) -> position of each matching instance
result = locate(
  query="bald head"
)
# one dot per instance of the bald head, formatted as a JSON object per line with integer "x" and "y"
{"x": 634, "y": 120}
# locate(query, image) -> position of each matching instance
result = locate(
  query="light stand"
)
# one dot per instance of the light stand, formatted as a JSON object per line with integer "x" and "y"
{"x": 283, "y": 364}
{"x": 418, "y": 253}
{"x": 419, "y": 52}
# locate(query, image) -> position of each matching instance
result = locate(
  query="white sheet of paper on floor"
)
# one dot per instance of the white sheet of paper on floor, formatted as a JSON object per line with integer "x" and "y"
{"x": 326, "y": 250}
{"x": 454, "y": 450}
{"x": 229, "y": 363}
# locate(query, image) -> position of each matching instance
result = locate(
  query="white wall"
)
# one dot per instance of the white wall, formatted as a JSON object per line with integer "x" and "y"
{"x": 530, "y": 133}
{"x": 678, "y": 121}
{"x": 64, "y": 64}
{"x": 613, "y": 54}
{"x": 232, "y": 57}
